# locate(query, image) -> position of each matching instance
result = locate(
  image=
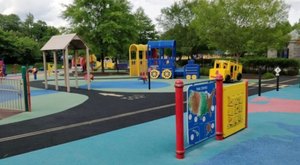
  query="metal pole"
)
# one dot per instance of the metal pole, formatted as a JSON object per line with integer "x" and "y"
{"x": 277, "y": 84}
{"x": 259, "y": 81}
{"x": 179, "y": 119}
{"x": 149, "y": 83}
{"x": 25, "y": 88}
{"x": 219, "y": 102}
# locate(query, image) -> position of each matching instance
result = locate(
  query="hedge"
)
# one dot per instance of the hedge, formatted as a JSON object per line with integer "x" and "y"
{"x": 288, "y": 66}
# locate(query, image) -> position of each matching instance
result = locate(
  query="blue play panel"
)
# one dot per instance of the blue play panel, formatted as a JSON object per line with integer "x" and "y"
{"x": 126, "y": 84}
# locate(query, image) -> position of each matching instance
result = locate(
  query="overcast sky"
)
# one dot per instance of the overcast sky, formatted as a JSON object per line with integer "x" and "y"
{"x": 50, "y": 10}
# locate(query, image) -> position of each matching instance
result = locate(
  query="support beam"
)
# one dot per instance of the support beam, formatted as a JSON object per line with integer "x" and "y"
{"x": 88, "y": 68}
{"x": 76, "y": 70}
{"x": 55, "y": 69}
{"x": 67, "y": 69}
{"x": 45, "y": 70}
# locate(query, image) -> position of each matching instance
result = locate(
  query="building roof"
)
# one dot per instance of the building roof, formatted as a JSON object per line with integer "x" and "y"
{"x": 60, "y": 42}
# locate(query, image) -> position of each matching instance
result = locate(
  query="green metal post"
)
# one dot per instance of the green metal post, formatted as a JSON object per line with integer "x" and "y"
{"x": 25, "y": 88}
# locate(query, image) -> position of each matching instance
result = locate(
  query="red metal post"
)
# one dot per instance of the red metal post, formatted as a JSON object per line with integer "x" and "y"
{"x": 179, "y": 119}
{"x": 246, "y": 117}
{"x": 219, "y": 99}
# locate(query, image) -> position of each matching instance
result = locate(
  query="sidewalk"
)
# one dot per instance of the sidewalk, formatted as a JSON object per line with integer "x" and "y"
{"x": 272, "y": 137}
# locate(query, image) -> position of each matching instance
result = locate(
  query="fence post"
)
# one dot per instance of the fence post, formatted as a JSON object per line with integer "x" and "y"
{"x": 179, "y": 119}
{"x": 219, "y": 99}
{"x": 25, "y": 88}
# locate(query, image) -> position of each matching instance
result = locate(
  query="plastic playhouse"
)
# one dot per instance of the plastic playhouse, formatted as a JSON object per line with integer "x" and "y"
{"x": 152, "y": 56}
{"x": 231, "y": 71}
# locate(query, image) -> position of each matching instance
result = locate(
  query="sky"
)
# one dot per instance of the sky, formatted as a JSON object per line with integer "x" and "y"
{"x": 50, "y": 11}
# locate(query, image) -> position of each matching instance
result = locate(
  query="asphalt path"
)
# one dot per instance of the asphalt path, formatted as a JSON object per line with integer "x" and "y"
{"x": 99, "y": 114}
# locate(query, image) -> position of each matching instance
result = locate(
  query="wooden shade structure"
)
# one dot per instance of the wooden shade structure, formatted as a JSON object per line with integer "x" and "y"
{"x": 65, "y": 43}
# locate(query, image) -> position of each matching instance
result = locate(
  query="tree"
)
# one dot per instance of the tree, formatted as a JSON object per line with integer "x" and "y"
{"x": 20, "y": 41}
{"x": 179, "y": 13}
{"x": 39, "y": 30}
{"x": 18, "y": 49}
{"x": 107, "y": 25}
{"x": 176, "y": 21}
{"x": 10, "y": 22}
{"x": 241, "y": 26}
{"x": 145, "y": 28}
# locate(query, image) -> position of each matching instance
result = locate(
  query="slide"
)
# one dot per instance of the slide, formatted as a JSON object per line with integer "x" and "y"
{"x": 97, "y": 66}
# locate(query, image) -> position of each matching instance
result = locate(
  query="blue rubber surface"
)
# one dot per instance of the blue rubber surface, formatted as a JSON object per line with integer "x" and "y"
{"x": 41, "y": 92}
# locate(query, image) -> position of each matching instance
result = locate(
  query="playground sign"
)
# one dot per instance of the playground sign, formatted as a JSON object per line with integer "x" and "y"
{"x": 234, "y": 108}
{"x": 277, "y": 70}
{"x": 201, "y": 108}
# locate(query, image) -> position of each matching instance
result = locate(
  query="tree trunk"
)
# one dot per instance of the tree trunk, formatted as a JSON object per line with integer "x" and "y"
{"x": 117, "y": 67}
{"x": 102, "y": 62}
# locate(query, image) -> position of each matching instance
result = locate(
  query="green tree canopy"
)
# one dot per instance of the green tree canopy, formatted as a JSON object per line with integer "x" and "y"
{"x": 20, "y": 41}
{"x": 241, "y": 26}
{"x": 145, "y": 28}
{"x": 10, "y": 22}
{"x": 107, "y": 25}
{"x": 176, "y": 21}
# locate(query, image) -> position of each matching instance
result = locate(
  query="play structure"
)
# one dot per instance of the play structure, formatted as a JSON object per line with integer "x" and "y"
{"x": 231, "y": 71}
{"x": 151, "y": 57}
{"x": 65, "y": 43}
{"x": 81, "y": 63}
{"x": 137, "y": 59}
{"x": 95, "y": 65}
{"x": 212, "y": 109}
{"x": 2, "y": 69}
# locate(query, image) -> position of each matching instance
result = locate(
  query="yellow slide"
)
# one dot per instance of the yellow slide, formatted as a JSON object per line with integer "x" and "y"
{"x": 97, "y": 66}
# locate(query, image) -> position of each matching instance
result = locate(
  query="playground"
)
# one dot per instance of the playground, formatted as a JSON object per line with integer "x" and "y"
{"x": 272, "y": 136}
{"x": 126, "y": 119}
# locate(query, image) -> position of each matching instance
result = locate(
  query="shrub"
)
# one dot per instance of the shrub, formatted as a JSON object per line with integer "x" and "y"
{"x": 268, "y": 75}
{"x": 252, "y": 65}
{"x": 204, "y": 71}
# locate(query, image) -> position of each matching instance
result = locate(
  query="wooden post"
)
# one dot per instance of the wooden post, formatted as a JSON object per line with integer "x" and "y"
{"x": 88, "y": 68}
{"x": 67, "y": 68}
{"x": 45, "y": 70}
{"x": 76, "y": 70}
{"x": 55, "y": 69}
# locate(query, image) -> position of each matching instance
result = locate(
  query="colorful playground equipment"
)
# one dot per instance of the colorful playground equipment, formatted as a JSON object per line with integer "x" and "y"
{"x": 159, "y": 64}
{"x": 231, "y": 71}
{"x": 212, "y": 109}
{"x": 137, "y": 59}
{"x": 95, "y": 65}
{"x": 2, "y": 69}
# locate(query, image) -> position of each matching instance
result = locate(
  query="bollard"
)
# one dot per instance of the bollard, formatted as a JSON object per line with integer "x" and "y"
{"x": 277, "y": 83}
{"x": 219, "y": 99}
{"x": 149, "y": 83}
{"x": 259, "y": 81}
{"x": 179, "y": 119}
